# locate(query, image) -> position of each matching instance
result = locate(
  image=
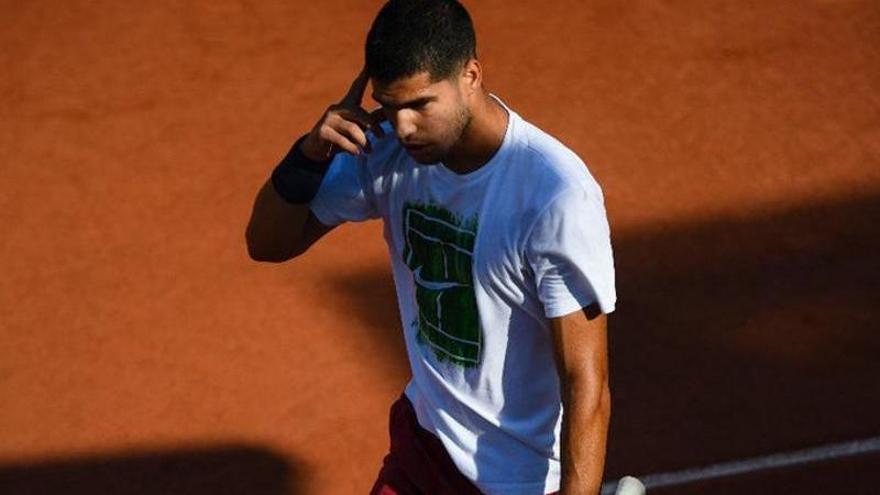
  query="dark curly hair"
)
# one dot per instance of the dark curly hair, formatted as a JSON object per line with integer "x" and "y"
{"x": 412, "y": 36}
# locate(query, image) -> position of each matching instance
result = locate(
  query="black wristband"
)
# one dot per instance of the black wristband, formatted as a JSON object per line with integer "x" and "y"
{"x": 298, "y": 178}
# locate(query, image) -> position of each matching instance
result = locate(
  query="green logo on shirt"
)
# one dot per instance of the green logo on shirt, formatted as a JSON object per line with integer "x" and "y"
{"x": 439, "y": 250}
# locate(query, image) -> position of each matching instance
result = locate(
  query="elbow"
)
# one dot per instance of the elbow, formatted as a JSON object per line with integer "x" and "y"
{"x": 257, "y": 254}
{"x": 604, "y": 405}
{"x": 271, "y": 256}
{"x": 265, "y": 257}
{"x": 597, "y": 404}
{"x": 264, "y": 253}
{"x": 592, "y": 391}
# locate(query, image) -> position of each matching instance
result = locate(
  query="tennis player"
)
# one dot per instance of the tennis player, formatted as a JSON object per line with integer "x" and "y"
{"x": 501, "y": 256}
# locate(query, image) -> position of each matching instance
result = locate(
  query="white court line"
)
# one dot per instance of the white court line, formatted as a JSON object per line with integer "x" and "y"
{"x": 755, "y": 464}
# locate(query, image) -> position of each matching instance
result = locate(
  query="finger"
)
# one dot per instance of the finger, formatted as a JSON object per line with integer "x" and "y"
{"x": 356, "y": 91}
{"x": 364, "y": 119}
{"x": 378, "y": 116}
{"x": 354, "y": 133}
{"x": 339, "y": 141}
{"x": 351, "y": 130}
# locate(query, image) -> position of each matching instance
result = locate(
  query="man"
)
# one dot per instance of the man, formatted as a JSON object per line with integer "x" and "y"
{"x": 501, "y": 258}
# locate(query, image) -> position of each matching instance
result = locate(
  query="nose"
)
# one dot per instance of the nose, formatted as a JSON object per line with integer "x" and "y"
{"x": 404, "y": 124}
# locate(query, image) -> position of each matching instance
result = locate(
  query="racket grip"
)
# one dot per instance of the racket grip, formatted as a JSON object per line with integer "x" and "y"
{"x": 630, "y": 486}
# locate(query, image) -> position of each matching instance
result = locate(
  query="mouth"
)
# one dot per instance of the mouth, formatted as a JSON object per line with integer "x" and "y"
{"x": 417, "y": 150}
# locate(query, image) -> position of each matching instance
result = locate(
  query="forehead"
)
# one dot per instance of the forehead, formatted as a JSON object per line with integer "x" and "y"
{"x": 408, "y": 88}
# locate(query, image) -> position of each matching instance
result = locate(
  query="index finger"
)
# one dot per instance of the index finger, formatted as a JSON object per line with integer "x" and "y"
{"x": 356, "y": 91}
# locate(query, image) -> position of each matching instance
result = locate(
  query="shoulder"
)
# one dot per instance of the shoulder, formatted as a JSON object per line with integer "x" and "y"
{"x": 552, "y": 166}
{"x": 386, "y": 147}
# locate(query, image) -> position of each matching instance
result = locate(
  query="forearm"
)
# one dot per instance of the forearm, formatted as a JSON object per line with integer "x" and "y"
{"x": 281, "y": 225}
{"x": 586, "y": 415}
{"x": 276, "y": 229}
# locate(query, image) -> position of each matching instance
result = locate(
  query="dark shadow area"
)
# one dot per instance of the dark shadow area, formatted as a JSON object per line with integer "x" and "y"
{"x": 370, "y": 297}
{"x": 741, "y": 338}
{"x": 734, "y": 338}
{"x": 228, "y": 470}
{"x": 852, "y": 476}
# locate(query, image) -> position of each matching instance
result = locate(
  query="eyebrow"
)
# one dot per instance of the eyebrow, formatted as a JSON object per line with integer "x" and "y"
{"x": 412, "y": 103}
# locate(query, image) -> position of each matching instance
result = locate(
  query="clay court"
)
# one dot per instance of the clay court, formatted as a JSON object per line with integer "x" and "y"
{"x": 143, "y": 351}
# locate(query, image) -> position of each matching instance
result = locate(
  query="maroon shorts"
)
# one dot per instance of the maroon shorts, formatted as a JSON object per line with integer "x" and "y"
{"x": 417, "y": 463}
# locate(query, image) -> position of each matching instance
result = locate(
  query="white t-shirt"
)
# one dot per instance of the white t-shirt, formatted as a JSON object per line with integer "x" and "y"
{"x": 480, "y": 262}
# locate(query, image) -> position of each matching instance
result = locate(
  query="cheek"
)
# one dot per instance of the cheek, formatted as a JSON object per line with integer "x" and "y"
{"x": 440, "y": 124}
{"x": 435, "y": 125}
{"x": 451, "y": 121}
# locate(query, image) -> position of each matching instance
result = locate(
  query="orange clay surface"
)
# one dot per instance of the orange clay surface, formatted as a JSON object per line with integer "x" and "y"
{"x": 142, "y": 351}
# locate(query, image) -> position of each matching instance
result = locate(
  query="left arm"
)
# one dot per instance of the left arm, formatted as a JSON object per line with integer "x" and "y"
{"x": 580, "y": 344}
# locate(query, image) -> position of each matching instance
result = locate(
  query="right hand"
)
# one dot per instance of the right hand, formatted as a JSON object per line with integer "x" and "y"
{"x": 344, "y": 125}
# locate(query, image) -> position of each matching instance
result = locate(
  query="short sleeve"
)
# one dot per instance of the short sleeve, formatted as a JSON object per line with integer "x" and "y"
{"x": 569, "y": 251}
{"x": 346, "y": 193}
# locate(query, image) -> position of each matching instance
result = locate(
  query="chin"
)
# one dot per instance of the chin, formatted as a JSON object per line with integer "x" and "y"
{"x": 427, "y": 159}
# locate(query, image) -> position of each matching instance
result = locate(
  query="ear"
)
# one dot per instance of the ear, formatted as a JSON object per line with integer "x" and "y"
{"x": 471, "y": 76}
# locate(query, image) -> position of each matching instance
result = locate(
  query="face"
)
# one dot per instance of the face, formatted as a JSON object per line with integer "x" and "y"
{"x": 428, "y": 117}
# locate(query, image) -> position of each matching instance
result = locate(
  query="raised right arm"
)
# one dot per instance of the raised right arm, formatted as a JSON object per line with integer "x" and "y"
{"x": 279, "y": 231}
{"x": 282, "y": 226}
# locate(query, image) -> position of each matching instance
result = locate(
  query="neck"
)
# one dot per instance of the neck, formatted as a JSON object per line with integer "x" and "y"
{"x": 481, "y": 139}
